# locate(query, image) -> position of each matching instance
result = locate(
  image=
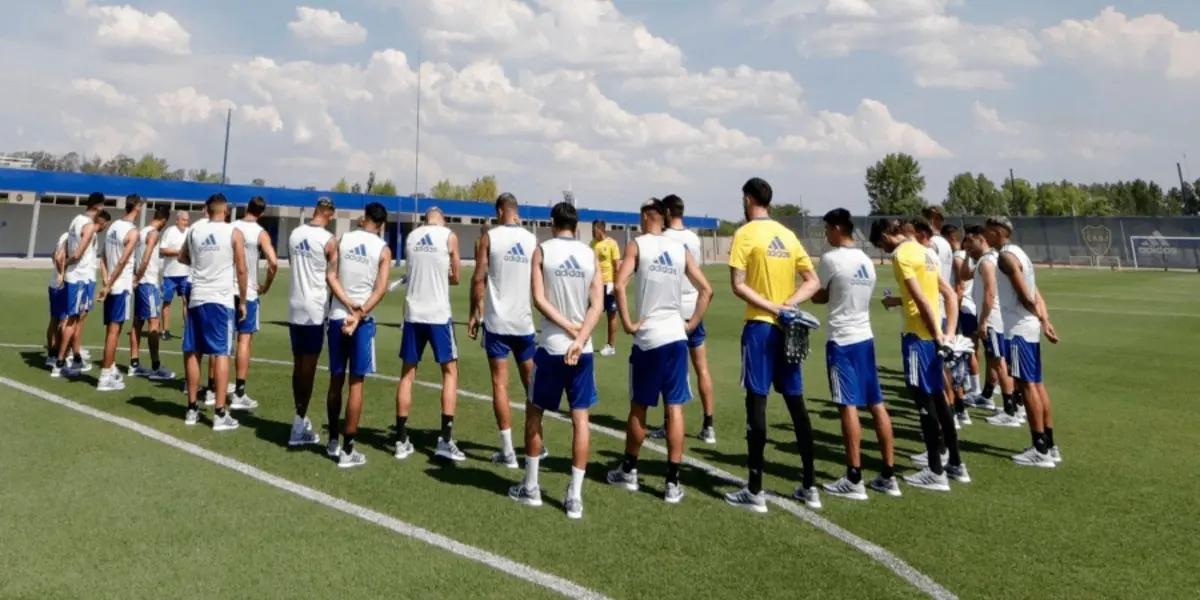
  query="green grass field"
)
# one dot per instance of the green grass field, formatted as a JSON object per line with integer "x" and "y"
{"x": 90, "y": 509}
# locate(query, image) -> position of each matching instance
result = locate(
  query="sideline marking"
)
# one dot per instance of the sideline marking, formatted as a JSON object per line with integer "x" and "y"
{"x": 897, "y": 565}
{"x": 495, "y": 561}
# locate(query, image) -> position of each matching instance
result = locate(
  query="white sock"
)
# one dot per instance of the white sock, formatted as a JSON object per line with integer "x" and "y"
{"x": 506, "y": 446}
{"x": 576, "y": 489}
{"x": 531, "y": 472}
{"x": 975, "y": 384}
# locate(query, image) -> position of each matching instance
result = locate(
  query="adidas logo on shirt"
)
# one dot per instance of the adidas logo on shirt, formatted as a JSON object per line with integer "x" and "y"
{"x": 777, "y": 249}
{"x": 516, "y": 254}
{"x": 862, "y": 276}
{"x": 304, "y": 248}
{"x": 569, "y": 268}
{"x": 425, "y": 244}
{"x": 358, "y": 254}
{"x": 209, "y": 244}
{"x": 663, "y": 264}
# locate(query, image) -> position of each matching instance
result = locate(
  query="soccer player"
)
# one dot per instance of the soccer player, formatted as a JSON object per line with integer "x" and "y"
{"x": 917, "y": 273}
{"x": 80, "y": 267}
{"x": 991, "y": 325}
{"x": 175, "y": 275}
{"x": 120, "y": 240}
{"x": 258, "y": 244}
{"x": 147, "y": 300}
{"x": 216, "y": 253}
{"x": 848, "y": 280}
{"x": 312, "y": 247}
{"x": 1025, "y": 321}
{"x": 609, "y": 254}
{"x": 658, "y": 360}
{"x": 968, "y": 323}
{"x": 500, "y": 302}
{"x": 358, "y": 278}
{"x": 58, "y": 300}
{"x": 569, "y": 292}
{"x": 433, "y": 266}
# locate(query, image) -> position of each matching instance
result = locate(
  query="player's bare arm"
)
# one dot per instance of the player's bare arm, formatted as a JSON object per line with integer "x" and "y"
{"x": 268, "y": 251}
{"x": 590, "y": 319}
{"x": 987, "y": 277}
{"x": 737, "y": 281}
{"x": 126, "y": 253}
{"x": 622, "y": 280}
{"x": 950, "y": 300}
{"x": 1012, "y": 269}
{"x": 700, "y": 282}
{"x": 455, "y": 259}
{"x": 239, "y": 266}
{"x": 85, "y": 238}
{"x": 151, "y": 242}
{"x": 478, "y": 284}
{"x": 544, "y": 305}
{"x": 1044, "y": 318}
{"x": 60, "y": 262}
{"x": 381, "y": 282}
{"x": 331, "y": 277}
{"x": 807, "y": 284}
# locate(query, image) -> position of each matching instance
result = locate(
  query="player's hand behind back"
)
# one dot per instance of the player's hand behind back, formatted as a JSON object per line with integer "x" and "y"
{"x": 473, "y": 327}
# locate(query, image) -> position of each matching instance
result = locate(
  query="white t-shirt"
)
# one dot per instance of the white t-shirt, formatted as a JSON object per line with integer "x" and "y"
{"x": 1018, "y": 321}
{"x": 85, "y": 268}
{"x": 849, "y": 276}
{"x": 114, "y": 246}
{"x": 210, "y": 250}
{"x": 995, "y": 320}
{"x": 661, "y": 269}
{"x": 931, "y": 254}
{"x": 153, "y": 266}
{"x": 172, "y": 239}
{"x": 308, "y": 302}
{"x": 359, "y": 253}
{"x": 61, "y": 243}
{"x": 428, "y": 255}
{"x": 691, "y": 242}
{"x": 506, "y": 308}
{"x": 568, "y": 269}
{"x": 250, "y": 231}
{"x": 968, "y": 301}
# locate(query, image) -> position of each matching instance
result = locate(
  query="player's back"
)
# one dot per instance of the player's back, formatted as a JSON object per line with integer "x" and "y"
{"x": 85, "y": 268}
{"x": 849, "y": 275}
{"x": 61, "y": 243}
{"x": 114, "y": 246}
{"x": 691, "y": 242}
{"x": 568, "y": 268}
{"x": 968, "y": 289}
{"x": 210, "y": 250}
{"x": 995, "y": 319}
{"x": 427, "y": 252}
{"x": 154, "y": 265}
{"x": 359, "y": 253}
{"x": 1018, "y": 320}
{"x": 913, "y": 260}
{"x": 770, "y": 255}
{"x": 251, "y": 231}
{"x": 507, "y": 309}
{"x": 661, "y": 270}
{"x": 308, "y": 302}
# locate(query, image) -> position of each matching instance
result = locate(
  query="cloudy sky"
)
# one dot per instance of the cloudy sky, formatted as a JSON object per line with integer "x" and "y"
{"x": 619, "y": 100}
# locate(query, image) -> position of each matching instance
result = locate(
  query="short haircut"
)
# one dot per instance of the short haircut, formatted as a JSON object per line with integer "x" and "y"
{"x": 600, "y": 223}
{"x": 882, "y": 227}
{"x": 564, "y": 216}
{"x": 922, "y": 226}
{"x": 179, "y": 214}
{"x": 162, "y": 212}
{"x": 949, "y": 231}
{"x": 975, "y": 230}
{"x": 325, "y": 204}
{"x": 654, "y": 205}
{"x": 759, "y": 191}
{"x": 95, "y": 199}
{"x": 256, "y": 206}
{"x": 674, "y": 205}
{"x": 376, "y": 213}
{"x": 931, "y": 213}
{"x": 506, "y": 201}
{"x": 133, "y": 201}
{"x": 104, "y": 216}
{"x": 213, "y": 201}
{"x": 1001, "y": 221}
{"x": 840, "y": 218}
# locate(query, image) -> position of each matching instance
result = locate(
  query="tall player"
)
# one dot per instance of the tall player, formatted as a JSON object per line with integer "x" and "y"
{"x": 771, "y": 272}
{"x": 80, "y": 269}
{"x": 175, "y": 275}
{"x": 358, "y": 279}
{"x": 147, "y": 301}
{"x": 609, "y": 254}
{"x": 120, "y": 240}
{"x": 991, "y": 326}
{"x": 569, "y": 292}
{"x": 658, "y": 360}
{"x": 216, "y": 253}
{"x": 258, "y": 244}
{"x": 500, "y": 302}
{"x": 433, "y": 266}
{"x": 848, "y": 279}
{"x": 312, "y": 247}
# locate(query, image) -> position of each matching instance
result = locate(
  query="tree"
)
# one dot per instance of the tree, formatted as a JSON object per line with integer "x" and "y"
{"x": 969, "y": 194}
{"x": 780, "y": 211}
{"x": 150, "y": 167}
{"x": 356, "y": 188}
{"x": 383, "y": 188}
{"x": 727, "y": 228}
{"x": 1190, "y": 204}
{"x": 894, "y": 186}
{"x": 446, "y": 190}
{"x": 203, "y": 176}
{"x": 483, "y": 189}
{"x": 341, "y": 186}
{"x": 371, "y": 182}
{"x": 1020, "y": 196}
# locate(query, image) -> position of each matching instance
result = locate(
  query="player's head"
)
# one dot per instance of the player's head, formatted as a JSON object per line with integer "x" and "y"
{"x": 102, "y": 219}
{"x": 674, "y": 206}
{"x": 215, "y": 207}
{"x": 598, "y": 228}
{"x": 374, "y": 217}
{"x": 756, "y": 193}
{"x": 952, "y": 235}
{"x": 95, "y": 201}
{"x": 839, "y": 227}
{"x": 324, "y": 208}
{"x": 182, "y": 219}
{"x": 975, "y": 242}
{"x": 933, "y": 214}
{"x": 133, "y": 204}
{"x": 435, "y": 216}
{"x": 997, "y": 230}
{"x": 256, "y": 207}
{"x": 162, "y": 212}
{"x": 654, "y": 216}
{"x": 886, "y": 234}
{"x": 922, "y": 230}
{"x": 506, "y": 208}
{"x": 564, "y": 217}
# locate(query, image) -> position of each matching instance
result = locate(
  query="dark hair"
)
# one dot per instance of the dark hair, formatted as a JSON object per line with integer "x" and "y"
{"x": 654, "y": 205}
{"x": 376, "y": 213}
{"x": 975, "y": 230}
{"x": 505, "y": 201}
{"x": 674, "y": 206}
{"x": 840, "y": 218}
{"x": 95, "y": 199}
{"x": 882, "y": 227}
{"x": 103, "y": 214}
{"x": 922, "y": 226}
{"x": 600, "y": 223}
{"x": 324, "y": 203}
{"x": 948, "y": 231}
{"x": 256, "y": 206}
{"x": 217, "y": 198}
{"x": 932, "y": 213}
{"x": 132, "y": 201}
{"x": 759, "y": 191}
{"x": 564, "y": 216}
{"x": 162, "y": 212}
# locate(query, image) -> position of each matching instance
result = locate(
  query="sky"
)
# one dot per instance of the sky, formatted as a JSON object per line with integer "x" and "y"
{"x": 617, "y": 101}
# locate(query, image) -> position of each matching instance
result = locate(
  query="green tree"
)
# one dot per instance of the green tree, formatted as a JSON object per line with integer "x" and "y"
{"x": 970, "y": 194}
{"x": 780, "y": 211}
{"x": 1190, "y": 204}
{"x": 150, "y": 167}
{"x": 483, "y": 189}
{"x": 447, "y": 191}
{"x": 341, "y": 187}
{"x": 1020, "y": 196}
{"x": 894, "y": 186}
{"x": 384, "y": 188}
{"x": 727, "y": 228}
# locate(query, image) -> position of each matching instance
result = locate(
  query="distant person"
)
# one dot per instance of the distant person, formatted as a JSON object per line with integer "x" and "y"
{"x": 147, "y": 301}
{"x": 79, "y": 280}
{"x": 174, "y": 274}
{"x": 311, "y": 248}
{"x": 120, "y": 240}
{"x": 991, "y": 326}
{"x": 609, "y": 254}
{"x": 433, "y": 266}
{"x": 58, "y": 300}
{"x": 258, "y": 246}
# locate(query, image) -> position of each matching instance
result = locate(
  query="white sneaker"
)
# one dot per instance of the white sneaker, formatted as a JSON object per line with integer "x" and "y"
{"x": 922, "y": 459}
{"x": 928, "y": 480}
{"x": 162, "y": 374}
{"x": 1002, "y": 419}
{"x": 1056, "y": 455}
{"x": 210, "y": 398}
{"x": 51, "y": 361}
{"x": 674, "y": 493}
{"x": 1021, "y": 414}
{"x": 746, "y": 500}
{"x": 508, "y": 460}
{"x": 56, "y": 372}
{"x": 192, "y": 417}
{"x": 958, "y": 473}
{"x": 963, "y": 418}
{"x": 109, "y": 384}
{"x": 242, "y": 403}
{"x": 334, "y": 448}
{"x": 225, "y": 423}
{"x": 608, "y": 350}
{"x": 404, "y": 450}
{"x": 83, "y": 367}
{"x": 657, "y": 434}
{"x": 844, "y": 488}
{"x": 1032, "y": 458}
{"x": 620, "y": 478}
{"x": 574, "y": 507}
{"x": 885, "y": 485}
{"x": 809, "y": 496}
{"x": 302, "y": 433}
{"x": 349, "y": 461}
{"x": 85, "y": 354}
{"x": 708, "y": 435}
{"x": 527, "y": 496}
{"x": 449, "y": 451}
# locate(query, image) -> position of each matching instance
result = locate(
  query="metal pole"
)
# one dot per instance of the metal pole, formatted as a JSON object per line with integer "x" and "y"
{"x": 225, "y": 158}
{"x": 417, "y": 154}
{"x": 33, "y": 226}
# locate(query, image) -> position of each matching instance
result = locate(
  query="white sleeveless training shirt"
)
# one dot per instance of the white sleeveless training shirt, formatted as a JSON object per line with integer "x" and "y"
{"x": 308, "y": 302}
{"x": 251, "y": 230}
{"x": 568, "y": 269}
{"x": 172, "y": 239}
{"x": 849, "y": 275}
{"x": 210, "y": 249}
{"x": 114, "y": 246}
{"x": 995, "y": 320}
{"x": 691, "y": 242}
{"x": 359, "y": 253}
{"x": 661, "y": 270}
{"x": 153, "y": 266}
{"x": 1018, "y": 321}
{"x": 506, "y": 308}
{"x": 427, "y": 299}
{"x": 968, "y": 297}
{"x": 85, "y": 269}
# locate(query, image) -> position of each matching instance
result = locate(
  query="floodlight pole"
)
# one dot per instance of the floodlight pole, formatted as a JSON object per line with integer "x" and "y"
{"x": 225, "y": 158}
{"x": 417, "y": 154}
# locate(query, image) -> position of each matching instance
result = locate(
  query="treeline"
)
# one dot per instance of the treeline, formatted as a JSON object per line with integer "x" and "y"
{"x": 148, "y": 166}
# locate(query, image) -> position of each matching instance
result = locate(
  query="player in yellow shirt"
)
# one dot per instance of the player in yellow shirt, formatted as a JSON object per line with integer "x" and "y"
{"x": 918, "y": 276}
{"x": 771, "y": 272}
{"x": 608, "y": 254}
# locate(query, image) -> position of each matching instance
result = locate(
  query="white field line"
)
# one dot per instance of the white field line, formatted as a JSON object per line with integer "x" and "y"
{"x": 877, "y": 553}
{"x": 494, "y": 561}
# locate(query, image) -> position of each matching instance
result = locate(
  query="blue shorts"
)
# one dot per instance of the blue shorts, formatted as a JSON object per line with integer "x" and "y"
{"x": 1025, "y": 359}
{"x": 76, "y": 298}
{"x": 968, "y": 324}
{"x": 764, "y": 364}
{"x": 996, "y": 346}
{"x": 58, "y": 302}
{"x": 552, "y": 377}
{"x": 208, "y": 330}
{"x": 499, "y": 345}
{"x": 415, "y": 336}
{"x": 306, "y": 339}
{"x": 250, "y": 323}
{"x": 697, "y": 337}
{"x": 118, "y": 307}
{"x": 853, "y": 376}
{"x": 922, "y": 365}
{"x": 175, "y": 285}
{"x": 662, "y": 371}
{"x": 355, "y": 351}
{"x": 147, "y": 302}
{"x": 90, "y": 296}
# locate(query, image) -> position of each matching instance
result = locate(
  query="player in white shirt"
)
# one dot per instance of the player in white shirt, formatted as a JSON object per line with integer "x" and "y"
{"x": 1025, "y": 321}
{"x": 568, "y": 289}
{"x": 147, "y": 301}
{"x": 82, "y": 235}
{"x": 431, "y": 252}
{"x": 358, "y": 280}
{"x": 991, "y": 325}
{"x": 941, "y": 247}
{"x": 500, "y": 303}
{"x": 311, "y": 248}
{"x": 658, "y": 358}
{"x": 258, "y": 246}
{"x": 58, "y": 299}
{"x": 120, "y": 240}
{"x": 174, "y": 273}
{"x": 847, "y": 283}
{"x": 216, "y": 253}
{"x": 968, "y": 323}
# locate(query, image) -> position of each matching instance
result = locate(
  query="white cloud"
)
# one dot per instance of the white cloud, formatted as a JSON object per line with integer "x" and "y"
{"x": 720, "y": 90}
{"x": 987, "y": 120}
{"x": 127, "y": 27}
{"x": 186, "y": 105}
{"x": 1114, "y": 41}
{"x": 267, "y": 117}
{"x": 101, "y": 90}
{"x": 870, "y": 130}
{"x": 327, "y": 27}
{"x": 110, "y": 139}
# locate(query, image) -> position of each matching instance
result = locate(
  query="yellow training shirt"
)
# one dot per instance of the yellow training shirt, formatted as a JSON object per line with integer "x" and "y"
{"x": 608, "y": 253}
{"x": 771, "y": 256}
{"x": 910, "y": 260}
